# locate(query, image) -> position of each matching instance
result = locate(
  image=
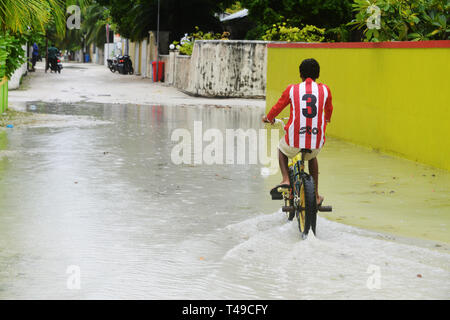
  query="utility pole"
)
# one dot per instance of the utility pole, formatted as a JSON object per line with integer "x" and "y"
{"x": 157, "y": 46}
{"x": 107, "y": 41}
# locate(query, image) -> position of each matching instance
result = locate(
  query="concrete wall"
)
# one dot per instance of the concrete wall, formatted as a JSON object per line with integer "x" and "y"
{"x": 391, "y": 96}
{"x": 99, "y": 56}
{"x": 220, "y": 68}
{"x": 228, "y": 69}
{"x": 216, "y": 68}
{"x": 144, "y": 56}
{"x": 151, "y": 53}
{"x": 182, "y": 72}
{"x": 165, "y": 59}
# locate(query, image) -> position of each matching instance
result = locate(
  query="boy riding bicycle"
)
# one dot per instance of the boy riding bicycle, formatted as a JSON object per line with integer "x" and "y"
{"x": 311, "y": 110}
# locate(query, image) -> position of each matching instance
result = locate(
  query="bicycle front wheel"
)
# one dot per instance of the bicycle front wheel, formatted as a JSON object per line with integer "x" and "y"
{"x": 307, "y": 211}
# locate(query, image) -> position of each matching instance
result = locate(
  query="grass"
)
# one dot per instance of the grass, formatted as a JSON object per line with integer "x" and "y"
{"x": 14, "y": 118}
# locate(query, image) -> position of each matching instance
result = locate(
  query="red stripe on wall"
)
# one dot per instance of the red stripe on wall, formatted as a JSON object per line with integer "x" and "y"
{"x": 365, "y": 45}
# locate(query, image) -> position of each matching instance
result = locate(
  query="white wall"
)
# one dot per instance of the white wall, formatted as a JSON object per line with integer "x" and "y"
{"x": 14, "y": 82}
{"x": 144, "y": 58}
{"x": 109, "y": 47}
{"x": 136, "y": 66}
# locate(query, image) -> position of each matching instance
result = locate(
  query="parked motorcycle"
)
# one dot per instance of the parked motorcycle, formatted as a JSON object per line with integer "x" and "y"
{"x": 112, "y": 64}
{"x": 125, "y": 65}
{"x": 121, "y": 64}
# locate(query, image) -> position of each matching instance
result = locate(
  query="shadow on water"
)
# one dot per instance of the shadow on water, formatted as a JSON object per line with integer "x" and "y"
{"x": 100, "y": 192}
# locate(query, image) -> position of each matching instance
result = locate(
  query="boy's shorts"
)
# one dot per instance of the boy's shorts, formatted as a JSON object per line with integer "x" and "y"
{"x": 291, "y": 152}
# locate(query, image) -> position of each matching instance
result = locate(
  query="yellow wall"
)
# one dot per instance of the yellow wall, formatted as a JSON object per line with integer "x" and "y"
{"x": 132, "y": 53}
{"x": 392, "y": 99}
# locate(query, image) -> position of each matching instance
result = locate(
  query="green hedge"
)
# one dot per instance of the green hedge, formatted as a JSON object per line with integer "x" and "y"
{"x": 3, "y": 94}
{"x": 3, "y": 78}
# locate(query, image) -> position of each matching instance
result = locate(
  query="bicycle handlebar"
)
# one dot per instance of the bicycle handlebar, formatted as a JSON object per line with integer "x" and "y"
{"x": 278, "y": 120}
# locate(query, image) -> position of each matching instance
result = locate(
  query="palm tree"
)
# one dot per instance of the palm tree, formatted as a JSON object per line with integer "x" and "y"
{"x": 18, "y": 16}
{"x": 94, "y": 24}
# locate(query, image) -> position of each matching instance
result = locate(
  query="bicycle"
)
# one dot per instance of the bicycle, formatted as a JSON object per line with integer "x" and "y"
{"x": 300, "y": 198}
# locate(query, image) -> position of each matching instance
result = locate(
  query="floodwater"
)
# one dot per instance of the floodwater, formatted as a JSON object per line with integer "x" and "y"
{"x": 91, "y": 206}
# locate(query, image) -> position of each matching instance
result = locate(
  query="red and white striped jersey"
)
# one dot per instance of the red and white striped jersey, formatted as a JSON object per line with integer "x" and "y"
{"x": 311, "y": 109}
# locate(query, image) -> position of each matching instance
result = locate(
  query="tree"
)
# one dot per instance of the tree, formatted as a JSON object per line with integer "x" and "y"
{"x": 134, "y": 18}
{"x": 23, "y": 21}
{"x": 94, "y": 24}
{"x": 320, "y": 13}
{"x": 95, "y": 17}
{"x": 18, "y": 16}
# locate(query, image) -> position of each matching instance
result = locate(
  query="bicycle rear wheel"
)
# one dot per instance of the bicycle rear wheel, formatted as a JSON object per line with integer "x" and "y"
{"x": 306, "y": 213}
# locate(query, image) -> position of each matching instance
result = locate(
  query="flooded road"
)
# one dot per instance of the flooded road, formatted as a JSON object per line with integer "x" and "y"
{"x": 96, "y": 191}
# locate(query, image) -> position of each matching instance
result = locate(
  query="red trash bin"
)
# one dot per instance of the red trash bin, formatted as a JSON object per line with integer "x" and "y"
{"x": 160, "y": 70}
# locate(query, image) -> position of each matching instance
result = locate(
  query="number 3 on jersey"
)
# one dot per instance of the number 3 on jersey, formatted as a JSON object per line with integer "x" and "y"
{"x": 311, "y": 109}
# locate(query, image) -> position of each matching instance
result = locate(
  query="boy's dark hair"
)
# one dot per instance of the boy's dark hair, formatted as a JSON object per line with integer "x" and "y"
{"x": 309, "y": 68}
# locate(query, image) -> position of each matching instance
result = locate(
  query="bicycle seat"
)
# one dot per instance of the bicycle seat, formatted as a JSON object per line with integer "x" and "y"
{"x": 306, "y": 150}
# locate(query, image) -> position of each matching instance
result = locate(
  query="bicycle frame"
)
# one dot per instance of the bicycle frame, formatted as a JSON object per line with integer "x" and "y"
{"x": 290, "y": 196}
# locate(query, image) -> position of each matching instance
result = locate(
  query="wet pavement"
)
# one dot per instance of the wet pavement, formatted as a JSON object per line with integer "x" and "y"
{"x": 95, "y": 189}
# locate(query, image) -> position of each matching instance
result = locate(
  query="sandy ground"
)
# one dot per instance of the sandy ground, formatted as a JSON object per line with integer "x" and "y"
{"x": 95, "y": 83}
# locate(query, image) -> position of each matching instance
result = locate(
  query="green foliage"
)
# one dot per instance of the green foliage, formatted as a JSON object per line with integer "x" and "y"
{"x": 96, "y": 17}
{"x": 185, "y": 48}
{"x": 338, "y": 34}
{"x": 186, "y": 45}
{"x": 18, "y": 15}
{"x": 135, "y": 18}
{"x": 235, "y": 7}
{"x": 37, "y": 37}
{"x": 283, "y": 32}
{"x": 323, "y": 14}
{"x": 3, "y": 56}
{"x": 405, "y": 20}
{"x": 11, "y": 53}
